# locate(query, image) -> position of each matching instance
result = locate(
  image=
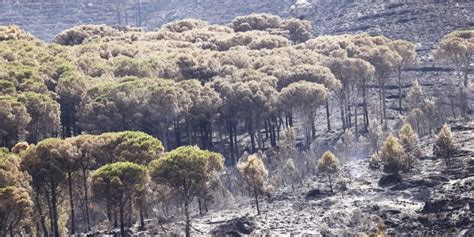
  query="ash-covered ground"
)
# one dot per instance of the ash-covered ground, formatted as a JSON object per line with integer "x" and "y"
{"x": 430, "y": 200}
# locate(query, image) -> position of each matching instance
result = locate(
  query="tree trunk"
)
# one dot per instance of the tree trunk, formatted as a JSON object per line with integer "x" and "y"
{"x": 40, "y": 212}
{"x": 273, "y": 132}
{"x": 384, "y": 103}
{"x": 164, "y": 135}
{"x": 236, "y": 142}
{"x": 200, "y": 206}
{"x": 187, "y": 229}
{"x": 400, "y": 90}
{"x": 122, "y": 224}
{"x": 203, "y": 135}
{"x": 177, "y": 132}
{"x": 256, "y": 199}
{"x": 130, "y": 211}
{"x": 50, "y": 208}
{"x": 231, "y": 143}
{"x": 189, "y": 132}
{"x": 366, "y": 111}
{"x": 356, "y": 124}
{"x": 328, "y": 120}
{"x": 206, "y": 208}
{"x": 313, "y": 126}
{"x": 467, "y": 105}
{"x": 115, "y": 216}
{"x": 462, "y": 104}
{"x": 142, "y": 218}
{"x": 209, "y": 130}
{"x": 380, "y": 101}
{"x": 54, "y": 207}
{"x": 343, "y": 116}
{"x": 251, "y": 134}
{"x": 349, "y": 116}
{"x": 290, "y": 119}
{"x": 86, "y": 198}
{"x": 71, "y": 201}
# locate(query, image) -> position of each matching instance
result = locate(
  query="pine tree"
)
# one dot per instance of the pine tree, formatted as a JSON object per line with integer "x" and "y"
{"x": 393, "y": 155}
{"x": 255, "y": 175}
{"x": 409, "y": 141}
{"x": 185, "y": 170}
{"x": 328, "y": 166}
{"x": 444, "y": 146}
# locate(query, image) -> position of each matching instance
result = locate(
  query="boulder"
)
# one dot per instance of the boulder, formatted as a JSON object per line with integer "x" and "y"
{"x": 317, "y": 194}
{"x": 235, "y": 227}
{"x": 389, "y": 180}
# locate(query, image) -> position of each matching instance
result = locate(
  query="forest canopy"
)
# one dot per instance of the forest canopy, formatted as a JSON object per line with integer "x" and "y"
{"x": 102, "y": 109}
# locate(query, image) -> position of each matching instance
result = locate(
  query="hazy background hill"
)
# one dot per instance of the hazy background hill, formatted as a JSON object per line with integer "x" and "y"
{"x": 420, "y": 21}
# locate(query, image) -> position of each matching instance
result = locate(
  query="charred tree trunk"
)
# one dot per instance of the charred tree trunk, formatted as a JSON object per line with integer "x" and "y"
{"x": 255, "y": 191}
{"x": 400, "y": 90}
{"x": 365, "y": 105}
{"x": 328, "y": 117}
{"x": 231, "y": 143}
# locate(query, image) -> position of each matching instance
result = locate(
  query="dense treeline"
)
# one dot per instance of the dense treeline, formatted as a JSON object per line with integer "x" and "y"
{"x": 229, "y": 89}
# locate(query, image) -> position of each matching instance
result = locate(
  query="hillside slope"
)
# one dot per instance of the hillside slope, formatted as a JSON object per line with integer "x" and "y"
{"x": 420, "y": 21}
{"x": 430, "y": 199}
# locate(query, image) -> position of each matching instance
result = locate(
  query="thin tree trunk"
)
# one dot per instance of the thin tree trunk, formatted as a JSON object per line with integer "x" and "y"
{"x": 130, "y": 211}
{"x": 200, "y": 206}
{"x": 122, "y": 224}
{"x": 189, "y": 132}
{"x": 462, "y": 102}
{"x": 290, "y": 119}
{"x": 54, "y": 203}
{"x": 313, "y": 126}
{"x": 356, "y": 123}
{"x": 328, "y": 120}
{"x": 267, "y": 130}
{"x": 251, "y": 134}
{"x": 187, "y": 229}
{"x": 273, "y": 132}
{"x": 40, "y": 212}
{"x": 400, "y": 90}
{"x": 380, "y": 101}
{"x": 177, "y": 132}
{"x": 384, "y": 103}
{"x": 142, "y": 218}
{"x": 86, "y": 199}
{"x": 115, "y": 216}
{"x": 164, "y": 135}
{"x": 256, "y": 199}
{"x": 50, "y": 209}
{"x": 366, "y": 111}
{"x": 71, "y": 200}
{"x": 343, "y": 117}
{"x": 236, "y": 142}
{"x": 349, "y": 116}
{"x": 209, "y": 130}
{"x": 231, "y": 143}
